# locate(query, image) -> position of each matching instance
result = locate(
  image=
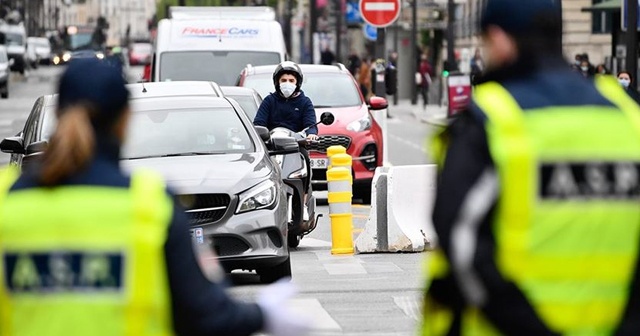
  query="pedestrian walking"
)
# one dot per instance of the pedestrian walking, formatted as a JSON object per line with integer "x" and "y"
{"x": 424, "y": 81}
{"x": 364, "y": 77}
{"x": 105, "y": 253}
{"x": 538, "y": 224}
{"x": 327, "y": 57}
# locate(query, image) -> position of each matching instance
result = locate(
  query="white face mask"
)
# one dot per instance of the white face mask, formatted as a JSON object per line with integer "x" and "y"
{"x": 287, "y": 89}
{"x": 624, "y": 82}
{"x": 584, "y": 68}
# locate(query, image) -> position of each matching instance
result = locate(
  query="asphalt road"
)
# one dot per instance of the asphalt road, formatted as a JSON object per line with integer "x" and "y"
{"x": 370, "y": 294}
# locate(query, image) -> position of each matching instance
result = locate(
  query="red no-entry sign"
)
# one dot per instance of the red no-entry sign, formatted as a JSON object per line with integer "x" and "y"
{"x": 380, "y": 13}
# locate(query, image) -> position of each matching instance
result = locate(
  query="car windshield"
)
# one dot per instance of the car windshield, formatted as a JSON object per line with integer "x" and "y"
{"x": 206, "y": 65}
{"x": 80, "y": 41}
{"x": 173, "y": 132}
{"x": 142, "y": 48}
{"x": 248, "y": 104}
{"x": 14, "y": 39}
{"x": 324, "y": 90}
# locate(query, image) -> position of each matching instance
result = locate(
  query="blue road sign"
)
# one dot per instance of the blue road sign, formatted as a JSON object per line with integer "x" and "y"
{"x": 352, "y": 13}
{"x": 625, "y": 18}
{"x": 370, "y": 32}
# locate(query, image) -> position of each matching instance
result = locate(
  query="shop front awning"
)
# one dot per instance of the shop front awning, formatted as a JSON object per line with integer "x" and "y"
{"x": 605, "y": 6}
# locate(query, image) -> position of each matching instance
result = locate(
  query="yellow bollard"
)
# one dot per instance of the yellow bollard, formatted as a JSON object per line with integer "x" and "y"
{"x": 339, "y": 180}
{"x": 342, "y": 160}
{"x": 333, "y": 150}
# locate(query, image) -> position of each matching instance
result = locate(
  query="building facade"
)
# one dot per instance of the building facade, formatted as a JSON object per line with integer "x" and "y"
{"x": 584, "y": 32}
{"x": 122, "y": 16}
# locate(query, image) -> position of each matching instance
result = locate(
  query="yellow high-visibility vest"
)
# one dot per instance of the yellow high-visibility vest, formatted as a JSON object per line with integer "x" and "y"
{"x": 567, "y": 223}
{"x": 84, "y": 260}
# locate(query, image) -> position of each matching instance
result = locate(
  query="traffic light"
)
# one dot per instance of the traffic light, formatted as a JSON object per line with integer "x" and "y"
{"x": 445, "y": 73}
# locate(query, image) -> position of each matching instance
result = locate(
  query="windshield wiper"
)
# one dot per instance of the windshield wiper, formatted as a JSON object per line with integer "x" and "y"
{"x": 173, "y": 155}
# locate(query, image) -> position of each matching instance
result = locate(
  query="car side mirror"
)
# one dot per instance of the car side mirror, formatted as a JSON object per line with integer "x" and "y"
{"x": 283, "y": 146}
{"x": 37, "y": 147}
{"x": 327, "y": 118}
{"x": 378, "y": 103}
{"x": 11, "y": 61}
{"x": 12, "y": 145}
{"x": 263, "y": 132}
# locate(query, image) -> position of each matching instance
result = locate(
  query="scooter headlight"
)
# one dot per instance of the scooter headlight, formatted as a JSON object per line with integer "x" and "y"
{"x": 260, "y": 196}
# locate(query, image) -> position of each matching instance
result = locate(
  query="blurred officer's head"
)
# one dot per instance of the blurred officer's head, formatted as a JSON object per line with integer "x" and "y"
{"x": 514, "y": 30}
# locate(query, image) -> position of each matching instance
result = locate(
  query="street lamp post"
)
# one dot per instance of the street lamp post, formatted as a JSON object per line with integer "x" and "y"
{"x": 414, "y": 50}
{"x": 451, "y": 38}
{"x": 632, "y": 37}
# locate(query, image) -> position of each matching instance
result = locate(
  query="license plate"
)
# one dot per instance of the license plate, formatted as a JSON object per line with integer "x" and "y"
{"x": 197, "y": 235}
{"x": 319, "y": 163}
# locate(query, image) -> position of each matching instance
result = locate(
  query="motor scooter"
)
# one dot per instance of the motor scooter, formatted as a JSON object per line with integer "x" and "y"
{"x": 294, "y": 173}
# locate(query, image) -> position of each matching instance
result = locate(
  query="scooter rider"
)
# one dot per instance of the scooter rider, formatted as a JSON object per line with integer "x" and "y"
{"x": 288, "y": 107}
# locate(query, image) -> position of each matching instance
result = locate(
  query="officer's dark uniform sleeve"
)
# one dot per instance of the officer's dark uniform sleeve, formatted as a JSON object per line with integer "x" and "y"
{"x": 309, "y": 117}
{"x": 467, "y": 163}
{"x": 262, "y": 116}
{"x": 199, "y": 306}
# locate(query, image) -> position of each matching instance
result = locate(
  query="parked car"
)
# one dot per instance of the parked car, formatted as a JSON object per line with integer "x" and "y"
{"x": 211, "y": 157}
{"x": 42, "y": 48}
{"x": 333, "y": 89}
{"x": 16, "y": 43}
{"x": 5, "y": 65}
{"x": 249, "y": 99}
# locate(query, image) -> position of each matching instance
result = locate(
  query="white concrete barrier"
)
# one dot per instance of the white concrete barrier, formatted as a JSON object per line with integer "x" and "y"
{"x": 400, "y": 218}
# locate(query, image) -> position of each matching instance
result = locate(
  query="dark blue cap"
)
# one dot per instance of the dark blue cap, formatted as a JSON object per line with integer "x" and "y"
{"x": 516, "y": 16}
{"x": 95, "y": 82}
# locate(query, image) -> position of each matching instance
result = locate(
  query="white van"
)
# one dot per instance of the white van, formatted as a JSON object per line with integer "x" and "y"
{"x": 216, "y": 43}
{"x": 16, "y": 43}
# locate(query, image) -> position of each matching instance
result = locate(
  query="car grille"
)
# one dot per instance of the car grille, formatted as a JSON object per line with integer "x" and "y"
{"x": 326, "y": 141}
{"x": 229, "y": 246}
{"x": 205, "y": 208}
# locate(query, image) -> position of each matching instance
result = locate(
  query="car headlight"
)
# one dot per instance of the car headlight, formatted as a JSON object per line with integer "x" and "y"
{"x": 66, "y": 57}
{"x": 360, "y": 125}
{"x": 261, "y": 196}
{"x": 56, "y": 60}
{"x": 100, "y": 55}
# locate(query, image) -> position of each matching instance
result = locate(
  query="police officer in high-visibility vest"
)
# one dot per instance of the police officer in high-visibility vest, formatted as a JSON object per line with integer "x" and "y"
{"x": 538, "y": 203}
{"x": 86, "y": 250}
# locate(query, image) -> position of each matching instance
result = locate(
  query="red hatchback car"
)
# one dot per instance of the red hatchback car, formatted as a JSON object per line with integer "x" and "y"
{"x": 331, "y": 88}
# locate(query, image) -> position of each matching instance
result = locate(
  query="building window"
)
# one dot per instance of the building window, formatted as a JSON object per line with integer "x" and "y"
{"x": 601, "y": 21}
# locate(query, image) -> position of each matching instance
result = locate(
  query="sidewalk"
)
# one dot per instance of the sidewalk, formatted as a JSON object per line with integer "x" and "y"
{"x": 433, "y": 114}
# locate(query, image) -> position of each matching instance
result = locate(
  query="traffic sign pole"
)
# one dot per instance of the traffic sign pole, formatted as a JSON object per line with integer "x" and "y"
{"x": 380, "y": 14}
{"x": 632, "y": 40}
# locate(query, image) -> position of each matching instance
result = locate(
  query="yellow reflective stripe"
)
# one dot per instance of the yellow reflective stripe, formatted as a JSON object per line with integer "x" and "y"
{"x": 148, "y": 192}
{"x": 8, "y": 176}
{"x": 339, "y": 197}
{"x": 595, "y": 317}
{"x": 611, "y": 90}
{"x": 475, "y": 324}
{"x": 437, "y": 264}
{"x": 597, "y": 267}
{"x": 513, "y": 154}
{"x": 437, "y": 319}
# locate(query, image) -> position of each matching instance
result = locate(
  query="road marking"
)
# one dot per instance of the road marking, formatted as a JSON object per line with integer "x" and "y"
{"x": 410, "y": 306}
{"x": 380, "y": 6}
{"x": 360, "y": 230}
{"x": 348, "y": 268}
{"x": 410, "y": 144}
{"x": 312, "y": 242}
{"x": 360, "y": 206}
{"x": 313, "y": 308}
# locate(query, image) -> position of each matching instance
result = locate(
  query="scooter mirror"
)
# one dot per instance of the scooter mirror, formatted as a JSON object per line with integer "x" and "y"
{"x": 327, "y": 118}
